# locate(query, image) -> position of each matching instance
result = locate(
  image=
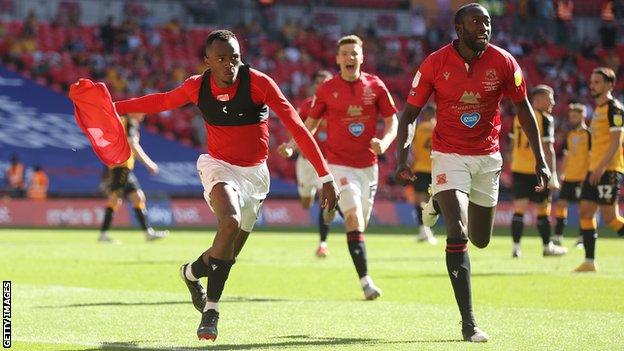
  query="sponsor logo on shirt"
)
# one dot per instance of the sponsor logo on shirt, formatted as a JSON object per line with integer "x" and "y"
{"x": 470, "y": 119}
{"x": 354, "y": 110}
{"x": 223, "y": 97}
{"x": 416, "y": 80}
{"x": 447, "y": 75}
{"x": 335, "y": 94}
{"x": 470, "y": 98}
{"x": 441, "y": 179}
{"x": 518, "y": 77}
{"x": 356, "y": 129}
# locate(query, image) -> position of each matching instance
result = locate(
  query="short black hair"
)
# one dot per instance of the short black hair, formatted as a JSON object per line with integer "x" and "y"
{"x": 459, "y": 15}
{"x": 220, "y": 34}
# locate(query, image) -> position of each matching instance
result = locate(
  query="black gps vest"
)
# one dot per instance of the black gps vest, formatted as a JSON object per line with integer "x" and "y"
{"x": 241, "y": 110}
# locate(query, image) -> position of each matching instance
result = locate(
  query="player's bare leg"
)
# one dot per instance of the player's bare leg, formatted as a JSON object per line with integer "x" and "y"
{"x": 455, "y": 206}
{"x": 587, "y": 211}
{"x": 239, "y": 242}
{"x": 517, "y": 225}
{"x": 138, "y": 200}
{"x": 480, "y": 224}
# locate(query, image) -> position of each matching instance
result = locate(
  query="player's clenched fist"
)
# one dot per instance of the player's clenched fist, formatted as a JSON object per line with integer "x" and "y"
{"x": 329, "y": 195}
{"x": 285, "y": 150}
{"x": 404, "y": 175}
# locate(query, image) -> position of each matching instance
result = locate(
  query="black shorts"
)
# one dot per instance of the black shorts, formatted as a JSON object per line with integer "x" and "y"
{"x": 606, "y": 192}
{"x": 123, "y": 181}
{"x": 422, "y": 182}
{"x": 570, "y": 191}
{"x": 524, "y": 187}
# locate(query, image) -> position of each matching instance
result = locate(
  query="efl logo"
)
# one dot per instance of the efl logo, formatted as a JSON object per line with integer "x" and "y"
{"x": 6, "y": 314}
{"x": 441, "y": 179}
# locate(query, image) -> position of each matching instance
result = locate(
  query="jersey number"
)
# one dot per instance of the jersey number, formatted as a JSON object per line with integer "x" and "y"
{"x": 605, "y": 191}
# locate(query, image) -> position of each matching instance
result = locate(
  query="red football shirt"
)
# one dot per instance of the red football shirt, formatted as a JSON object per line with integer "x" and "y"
{"x": 321, "y": 132}
{"x": 245, "y": 145}
{"x": 467, "y": 97}
{"x": 352, "y": 110}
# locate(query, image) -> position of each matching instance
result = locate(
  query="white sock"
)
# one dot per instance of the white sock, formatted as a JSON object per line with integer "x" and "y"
{"x": 366, "y": 280}
{"x": 589, "y": 260}
{"x": 188, "y": 273}
{"x": 323, "y": 244}
{"x": 516, "y": 246}
{"x": 211, "y": 306}
{"x": 559, "y": 237}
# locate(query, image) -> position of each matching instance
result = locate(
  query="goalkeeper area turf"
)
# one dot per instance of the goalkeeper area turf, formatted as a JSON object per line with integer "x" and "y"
{"x": 70, "y": 292}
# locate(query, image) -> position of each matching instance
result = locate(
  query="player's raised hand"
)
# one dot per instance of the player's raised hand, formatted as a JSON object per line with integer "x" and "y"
{"x": 404, "y": 175}
{"x": 542, "y": 172}
{"x": 285, "y": 150}
{"x": 329, "y": 195}
{"x": 375, "y": 144}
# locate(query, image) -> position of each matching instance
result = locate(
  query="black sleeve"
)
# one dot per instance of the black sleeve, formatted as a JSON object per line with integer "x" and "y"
{"x": 548, "y": 125}
{"x": 614, "y": 114}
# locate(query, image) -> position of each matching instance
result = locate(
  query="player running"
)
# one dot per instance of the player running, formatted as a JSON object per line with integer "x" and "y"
{"x": 122, "y": 183}
{"x": 234, "y": 100}
{"x": 421, "y": 166}
{"x": 307, "y": 180}
{"x": 352, "y": 102}
{"x": 601, "y": 188}
{"x": 523, "y": 171}
{"x": 469, "y": 78}
{"x": 575, "y": 165}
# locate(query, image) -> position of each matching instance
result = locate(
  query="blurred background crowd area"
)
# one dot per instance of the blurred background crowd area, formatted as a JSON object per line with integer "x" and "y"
{"x": 141, "y": 47}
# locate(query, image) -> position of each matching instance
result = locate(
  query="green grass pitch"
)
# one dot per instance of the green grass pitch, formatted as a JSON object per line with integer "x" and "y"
{"x": 71, "y": 293}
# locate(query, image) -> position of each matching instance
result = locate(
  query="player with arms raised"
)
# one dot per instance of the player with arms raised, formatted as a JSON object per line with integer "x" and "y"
{"x": 469, "y": 77}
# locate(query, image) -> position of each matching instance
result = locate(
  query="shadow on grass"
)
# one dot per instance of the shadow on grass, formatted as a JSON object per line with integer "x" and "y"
{"x": 487, "y": 274}
{"x": 291, "y": 341}
{"x": 125, "y": 263}
{"x": 232, "y": 299}
{"x": 406, "y": 259}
